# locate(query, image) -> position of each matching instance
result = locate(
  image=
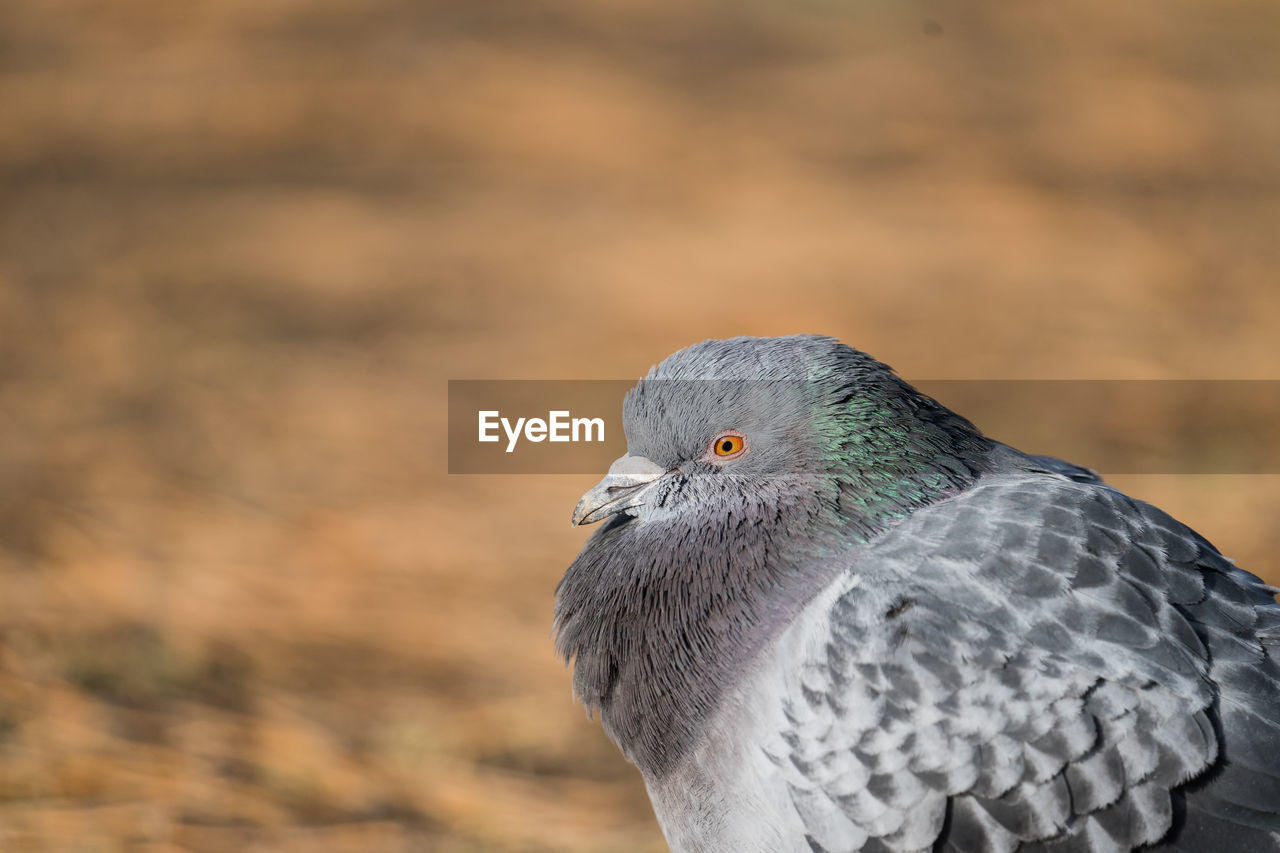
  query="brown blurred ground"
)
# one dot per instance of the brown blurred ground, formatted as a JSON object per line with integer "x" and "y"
{"x": 244, "y": 244}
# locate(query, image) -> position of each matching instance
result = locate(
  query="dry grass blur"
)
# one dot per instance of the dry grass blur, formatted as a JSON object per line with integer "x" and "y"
{"x": 244, "y": 244}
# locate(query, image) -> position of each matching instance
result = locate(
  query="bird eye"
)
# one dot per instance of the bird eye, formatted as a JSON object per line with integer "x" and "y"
{"x": 729, "y": 444}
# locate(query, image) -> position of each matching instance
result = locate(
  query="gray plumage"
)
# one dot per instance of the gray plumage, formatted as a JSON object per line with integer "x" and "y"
{"x": 876, "y": 629}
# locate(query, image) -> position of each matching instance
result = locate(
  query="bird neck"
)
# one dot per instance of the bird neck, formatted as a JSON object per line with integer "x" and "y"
{"x": 656, "y": 632}
{"x": 887, "y": 451}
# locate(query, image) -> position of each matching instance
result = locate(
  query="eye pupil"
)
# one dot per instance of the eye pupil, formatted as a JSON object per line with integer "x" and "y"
{"x": 727, "y": 446}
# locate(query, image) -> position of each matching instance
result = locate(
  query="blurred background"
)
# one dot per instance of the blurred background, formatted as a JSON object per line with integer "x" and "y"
{"x": 244, "y": 244}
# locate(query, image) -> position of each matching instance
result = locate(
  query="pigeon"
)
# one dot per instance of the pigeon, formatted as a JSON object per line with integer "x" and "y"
{"x": 823, "y": 612}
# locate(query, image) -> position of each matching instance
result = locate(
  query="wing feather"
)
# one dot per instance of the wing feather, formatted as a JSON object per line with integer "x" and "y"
{"x": 1041, "y": 663}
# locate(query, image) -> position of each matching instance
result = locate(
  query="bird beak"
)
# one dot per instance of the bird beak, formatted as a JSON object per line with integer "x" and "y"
{"x": 621, "y": 489}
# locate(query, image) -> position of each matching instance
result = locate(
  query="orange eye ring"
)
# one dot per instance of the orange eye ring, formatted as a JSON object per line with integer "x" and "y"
{"x": 729, "y": 444}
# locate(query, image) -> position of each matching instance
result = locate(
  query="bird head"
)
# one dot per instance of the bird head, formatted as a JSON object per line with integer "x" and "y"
{"x": 729, "y": 428}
